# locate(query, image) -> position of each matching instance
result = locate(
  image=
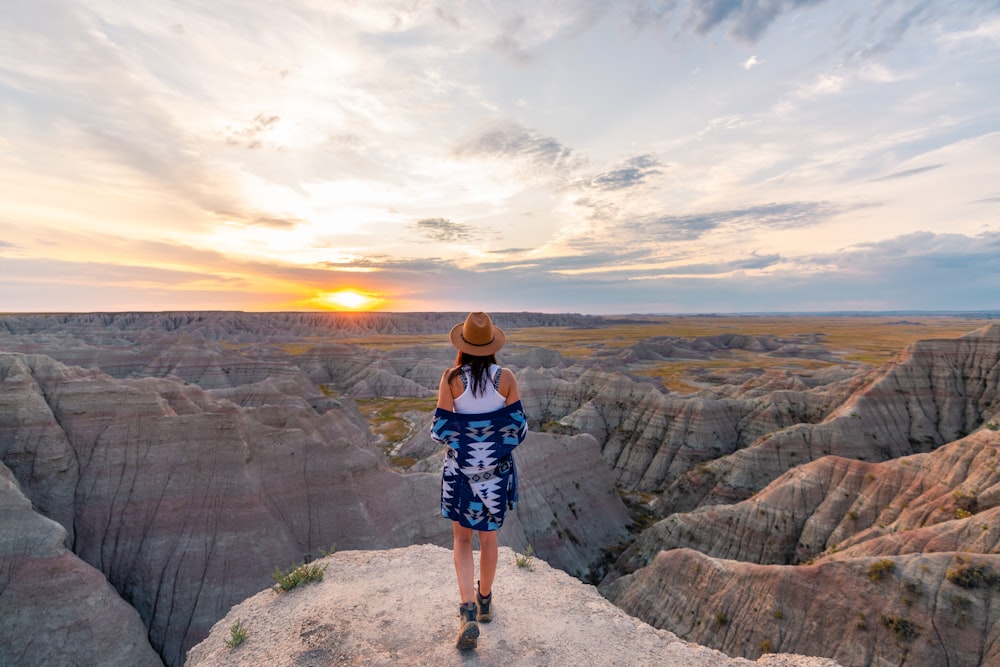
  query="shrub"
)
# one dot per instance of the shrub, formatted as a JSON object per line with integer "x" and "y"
{"x": 972, "y": 575}
{"x": 237, "y": 634}
{"x": 905, "y": 629}
{"x": 766, "y": 646}
{"x": 526, "y": 560}
{"x": 880, "y": 569}
{"x": 967, "y": 502}
{"x": 299, "y": 574}
{"x": 720, "y": 619}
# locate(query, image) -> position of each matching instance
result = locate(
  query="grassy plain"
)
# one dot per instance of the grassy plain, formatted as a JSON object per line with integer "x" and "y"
{"x": 859, "y": 339}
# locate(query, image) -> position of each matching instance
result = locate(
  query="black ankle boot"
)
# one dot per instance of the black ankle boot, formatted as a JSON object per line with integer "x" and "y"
{"x": 468, "y": 628}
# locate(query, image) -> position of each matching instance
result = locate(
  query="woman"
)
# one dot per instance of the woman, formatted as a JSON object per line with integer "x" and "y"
{"x": 479, "y": 417}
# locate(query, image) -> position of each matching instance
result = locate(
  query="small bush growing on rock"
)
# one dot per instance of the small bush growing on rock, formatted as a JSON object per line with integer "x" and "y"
{"x": 881, "y": 569}
{"x": 526, "y": 560}
{"x": 972, "y": 575}
{"x": 967, "y": 502}
{"x": 766, "y": 646}
{"x": 905, "y": 629}
{"x": 299, "y": 574}
{"x": 778, "y": 614}
{"x": 720, "y": 619}
{"x": 237, "y": 634}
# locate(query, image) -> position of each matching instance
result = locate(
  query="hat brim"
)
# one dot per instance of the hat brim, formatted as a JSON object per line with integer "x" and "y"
{"x": 499, "y": 338}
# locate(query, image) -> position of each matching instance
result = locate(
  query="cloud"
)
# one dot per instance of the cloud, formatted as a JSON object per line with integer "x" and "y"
{"x": 908, "y": 172}
{"x": 751, "y": 62}
{"x": 788, "y": 215}
{"x": 894, "y": 26}
{"x": 633, "y": 171}
{"x": 275, "y": 222}
{"x": 505, "y": 140}
{"x": 442, "y": 230}
{"x": 747, "y": 20}
{"x": 988, "y": 31}
{"x": 249, "y": 134}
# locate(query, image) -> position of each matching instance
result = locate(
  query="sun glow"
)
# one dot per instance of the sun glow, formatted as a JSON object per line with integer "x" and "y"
{"x": 349, "y": 299}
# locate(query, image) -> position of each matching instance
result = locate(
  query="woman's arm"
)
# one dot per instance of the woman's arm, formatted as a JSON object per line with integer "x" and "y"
{"x": 445, "y": 400}
{"x": 508, "y": 386}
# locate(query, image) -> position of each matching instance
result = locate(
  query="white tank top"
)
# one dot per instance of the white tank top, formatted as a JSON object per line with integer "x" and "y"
{"x": 490, "y": 400}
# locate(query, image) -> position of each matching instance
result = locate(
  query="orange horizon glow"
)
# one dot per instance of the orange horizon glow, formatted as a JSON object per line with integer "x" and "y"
{"x": 348, "y": 299}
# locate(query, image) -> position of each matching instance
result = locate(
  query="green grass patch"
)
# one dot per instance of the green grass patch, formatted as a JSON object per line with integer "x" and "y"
{"x": 237, "y": 634}
{"x": 296, "y": 576}
{"x": 526, "y": 559}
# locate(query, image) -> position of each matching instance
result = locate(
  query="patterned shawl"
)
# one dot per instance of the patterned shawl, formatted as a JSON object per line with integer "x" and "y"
{"x": 479, "y": 479}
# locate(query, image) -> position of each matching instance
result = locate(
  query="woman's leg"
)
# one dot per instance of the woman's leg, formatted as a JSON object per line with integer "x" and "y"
{"x": 487, "y": 561}
{"x": 464, "y": 564}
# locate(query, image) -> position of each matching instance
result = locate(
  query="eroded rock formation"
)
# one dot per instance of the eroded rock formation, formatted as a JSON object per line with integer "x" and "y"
{"x": 934, "y": 392}
{"x": 914, "y": 609}
{"x": 57, "y": 610}
{"x": 195, "y": 443}
{"x": 651, "y": 439}
{"x": 186, "y": 500}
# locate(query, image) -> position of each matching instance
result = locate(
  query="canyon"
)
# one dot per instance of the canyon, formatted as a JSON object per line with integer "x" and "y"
{"x": 787, "y": 500}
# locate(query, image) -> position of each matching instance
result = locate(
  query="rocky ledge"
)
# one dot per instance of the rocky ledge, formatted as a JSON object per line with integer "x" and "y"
{"x": 399, "y": 607}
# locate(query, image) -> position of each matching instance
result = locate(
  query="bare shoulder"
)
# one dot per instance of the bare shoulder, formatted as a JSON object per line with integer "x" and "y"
{"x": 508, "y": 385}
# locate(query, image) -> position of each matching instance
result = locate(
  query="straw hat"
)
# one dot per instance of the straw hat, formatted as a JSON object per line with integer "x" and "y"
{"x": 477, "y": 335}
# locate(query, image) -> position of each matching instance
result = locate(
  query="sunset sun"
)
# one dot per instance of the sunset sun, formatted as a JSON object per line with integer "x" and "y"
{"x": 349, "y": 299}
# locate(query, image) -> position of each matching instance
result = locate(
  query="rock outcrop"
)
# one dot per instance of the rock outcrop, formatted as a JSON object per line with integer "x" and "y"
{"x": 57, "y": 610}
{"x": 923, "y": 610}
{"x": 186, "y": 500}
{"x": 934, "y": 392}
{"x": 651, "y": 439}
{"x": 187, "y": 503}
{"x": 945, "y": 500}
{"x": 398, "y": 608}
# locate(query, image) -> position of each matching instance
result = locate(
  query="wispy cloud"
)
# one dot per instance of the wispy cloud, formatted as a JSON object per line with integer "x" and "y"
{"x": 773, "y": 216}
{"x": 250, "y": 134}
{"x": 505, "y": 140}
{"x": 746, "y": 20}
{"x": 442, "y": 230}
{"x": 633, "y": 171}
{"x": 908, "y": 172}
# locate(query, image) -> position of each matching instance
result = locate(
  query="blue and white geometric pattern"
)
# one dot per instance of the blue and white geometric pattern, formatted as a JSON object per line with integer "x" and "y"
{"x": 479, "y": 476}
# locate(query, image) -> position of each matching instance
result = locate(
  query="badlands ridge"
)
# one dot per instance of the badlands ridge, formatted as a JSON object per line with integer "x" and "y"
{"x": 157, "y": 467}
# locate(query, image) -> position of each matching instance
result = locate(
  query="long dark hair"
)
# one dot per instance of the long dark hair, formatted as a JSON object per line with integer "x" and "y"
{"x": 480, "y": 367}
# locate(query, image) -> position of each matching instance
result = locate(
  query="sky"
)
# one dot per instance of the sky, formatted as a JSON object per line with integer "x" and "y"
{"x": 593, "y": 156}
